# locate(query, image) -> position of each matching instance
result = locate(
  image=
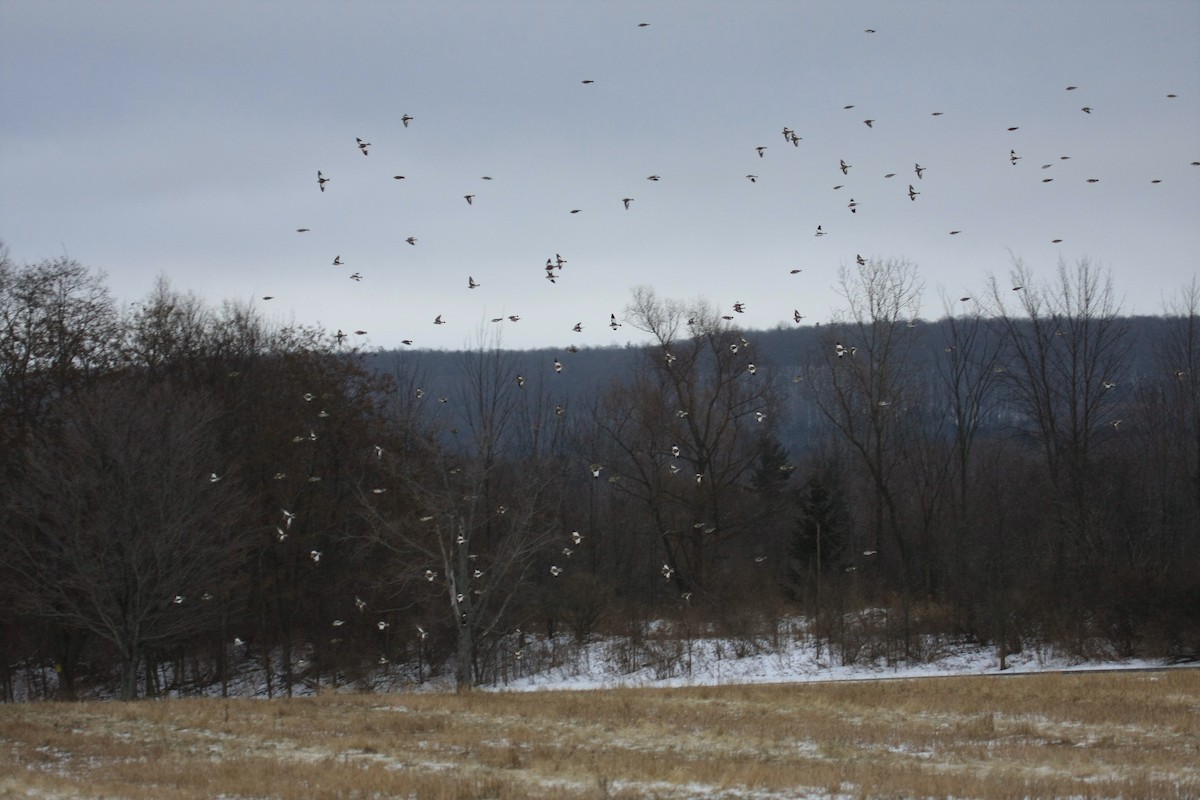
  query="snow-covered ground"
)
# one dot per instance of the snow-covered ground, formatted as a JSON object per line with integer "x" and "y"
{"x": 540, "y": 664}
{"x": 708, "y": 662}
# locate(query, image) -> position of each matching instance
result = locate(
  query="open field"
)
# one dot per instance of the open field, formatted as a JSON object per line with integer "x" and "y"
{"x": 1131, "y": 734}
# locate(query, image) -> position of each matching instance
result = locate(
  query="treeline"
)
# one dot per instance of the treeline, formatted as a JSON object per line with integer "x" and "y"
{"x": 187, "y": 489}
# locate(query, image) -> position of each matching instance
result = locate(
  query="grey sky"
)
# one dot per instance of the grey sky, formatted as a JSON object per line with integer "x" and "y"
{"x": 184, "y": 138}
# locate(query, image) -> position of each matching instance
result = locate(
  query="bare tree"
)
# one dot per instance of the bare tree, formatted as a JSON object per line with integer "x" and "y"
{"x": 1066, "y": 352}
{"x": 58, "y": 331}
{"x": 168, "y": 331}
{"x": 472, "y": 518}
{"x": 1159, "y": 536}
{"x": 864, "y": 383}
{"x": 125, "y": 522}
{"x": 970, "y": 375}
{"x": 688, "y": 432}
{"x": 969, "y": 370}
{"x": 1178, "y": 357}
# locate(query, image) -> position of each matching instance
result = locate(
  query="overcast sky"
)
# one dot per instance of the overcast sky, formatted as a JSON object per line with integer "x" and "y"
{"x": 184, "y": 138}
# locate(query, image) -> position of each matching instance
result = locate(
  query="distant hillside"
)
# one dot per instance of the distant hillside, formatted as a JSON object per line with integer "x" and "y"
{"x": 780, "y": 354}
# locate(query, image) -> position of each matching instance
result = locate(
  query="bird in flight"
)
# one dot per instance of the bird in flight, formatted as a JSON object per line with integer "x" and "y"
{"x": 844, "y": 166}
{"x": 411, "y": 240}
{"x": 917, "y": 168}
{"x": 406, "y": 119}
{"x": 438, "y": 320}
{"x": 362, "y": 145}
{"x": 760, "y": 150}
{"x": 627, "y": 201}
{"x": 912, "y": 193}
{"x": 321, "y": 180}
{"x": 471, "y": 284}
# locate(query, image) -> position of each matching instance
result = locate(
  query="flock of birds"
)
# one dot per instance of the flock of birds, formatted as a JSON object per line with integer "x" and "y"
{"x": 553, "y": 268}
{"x": 914, "y": 188}
{"x": 573, "y": 541}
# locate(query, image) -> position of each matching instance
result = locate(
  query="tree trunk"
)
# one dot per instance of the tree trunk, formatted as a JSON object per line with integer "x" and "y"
{"x": 129, "y": 672}
{"x": 465, "y": 659}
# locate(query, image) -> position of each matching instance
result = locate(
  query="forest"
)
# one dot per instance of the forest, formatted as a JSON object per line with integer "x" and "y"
{"x": 188, "y": 488}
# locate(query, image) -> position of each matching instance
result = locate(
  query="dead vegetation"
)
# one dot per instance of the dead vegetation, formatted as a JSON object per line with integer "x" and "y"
{"x": 1081, "y": 735}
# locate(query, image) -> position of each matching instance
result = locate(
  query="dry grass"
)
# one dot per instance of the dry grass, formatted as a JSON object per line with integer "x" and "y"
{"x": 1079, "y": 735}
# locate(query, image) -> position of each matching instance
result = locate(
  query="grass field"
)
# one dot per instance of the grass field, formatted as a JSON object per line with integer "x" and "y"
{"x": 1129, "y": 735}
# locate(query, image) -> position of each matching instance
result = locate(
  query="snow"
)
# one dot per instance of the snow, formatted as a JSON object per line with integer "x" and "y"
{"x": 659, "y": 657}
{"x": 712, "y": 662}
